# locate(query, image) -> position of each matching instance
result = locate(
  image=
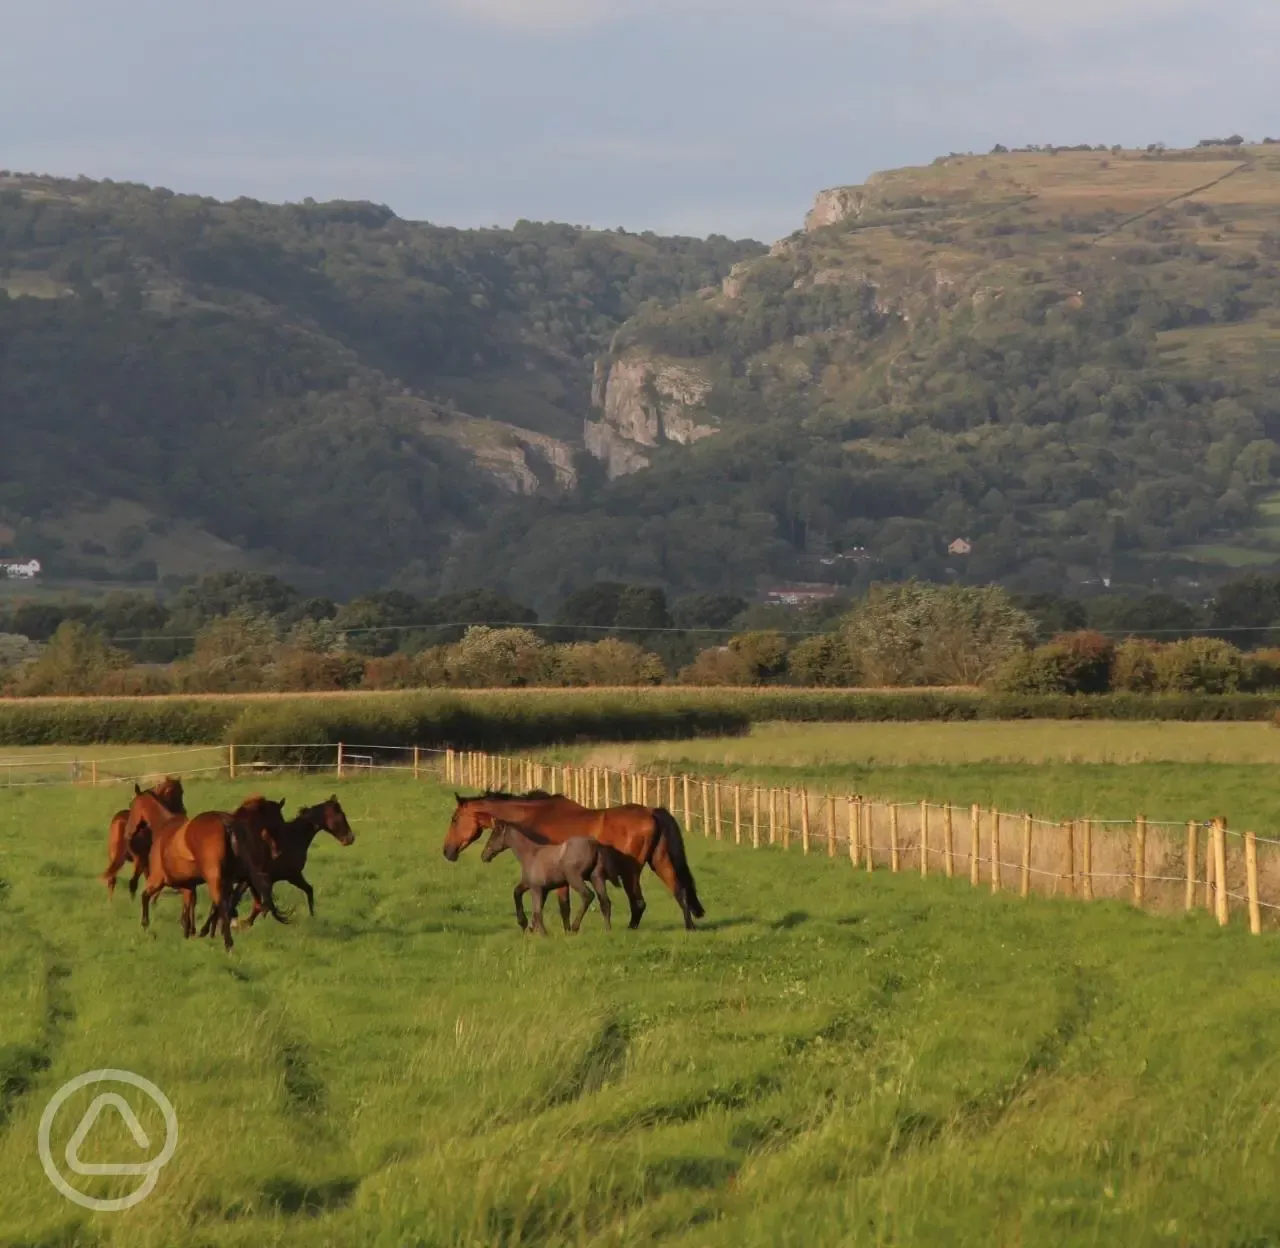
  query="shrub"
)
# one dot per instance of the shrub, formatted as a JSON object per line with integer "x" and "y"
{"x": 1199, "y": 665}
{"x": 608, "y": 662}
{"x": 717, "y": 665}
{"x": 822, "y": 660}
{"x": 915, "y": 634}
{"x": 1133, "y": 670}
{"x": 1077, "y": 662}
{"x": 308, "y": 671}
{"x": 76, "y": 661}
{"x": 232, "y": 654}
{"x": 495, "y": 658}
{"x": 764, "y": 654}
{"x": 1262, "y": 671}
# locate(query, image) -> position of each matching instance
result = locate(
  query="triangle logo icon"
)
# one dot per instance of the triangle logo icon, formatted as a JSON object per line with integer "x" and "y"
{"x": 87, "y": 1123}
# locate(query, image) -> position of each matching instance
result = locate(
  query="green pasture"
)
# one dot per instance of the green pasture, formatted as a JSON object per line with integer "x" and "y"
{"x": 833, "y": 1059}
{"x": 1054, "y": 769}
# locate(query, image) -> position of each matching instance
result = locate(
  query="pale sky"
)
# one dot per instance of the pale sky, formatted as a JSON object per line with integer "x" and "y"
{"x": 690, "y": 116}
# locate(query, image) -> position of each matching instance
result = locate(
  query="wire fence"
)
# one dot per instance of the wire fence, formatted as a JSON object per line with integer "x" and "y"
{"x": 1158, "y": 866}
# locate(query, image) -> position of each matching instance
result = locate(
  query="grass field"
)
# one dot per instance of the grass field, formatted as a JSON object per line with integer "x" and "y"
{"x": 834, "y": 1059}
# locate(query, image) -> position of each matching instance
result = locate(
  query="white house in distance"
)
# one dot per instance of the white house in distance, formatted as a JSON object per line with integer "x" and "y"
{"x": 20, "y": 569}
{"x": 961, "y": 546}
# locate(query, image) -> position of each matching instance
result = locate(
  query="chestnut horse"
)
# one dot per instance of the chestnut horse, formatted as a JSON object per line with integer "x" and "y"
{"x": 169, "y": 794}
{"x": 286, "y": 845}
{"x": 648, "y": 835}
{"x": 213, "y": 848}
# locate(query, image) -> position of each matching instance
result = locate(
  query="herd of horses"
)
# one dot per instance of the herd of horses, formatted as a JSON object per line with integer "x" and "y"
{"x": 561, "y": 846}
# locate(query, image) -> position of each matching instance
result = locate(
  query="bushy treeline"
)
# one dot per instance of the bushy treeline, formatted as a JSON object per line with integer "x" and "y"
{"x": 908, "y": 635}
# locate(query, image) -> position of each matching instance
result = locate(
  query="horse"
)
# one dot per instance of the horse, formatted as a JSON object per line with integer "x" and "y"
{"x": 169, "y": 794}
{"x": 544, "y": 867}
{"x": 211, "y": 848}
{"x": 286, "y": 845}
{"x": 647, "y": 835}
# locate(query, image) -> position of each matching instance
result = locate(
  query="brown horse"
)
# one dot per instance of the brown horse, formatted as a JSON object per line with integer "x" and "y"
{"x": 213, "y": 848}
{"x": 647, "y": 835}
{"x": 169, "y": 794}
{"x": 286, "y": 845}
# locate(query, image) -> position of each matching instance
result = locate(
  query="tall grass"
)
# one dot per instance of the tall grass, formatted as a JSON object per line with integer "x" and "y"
{"x": 834, "y": 1059}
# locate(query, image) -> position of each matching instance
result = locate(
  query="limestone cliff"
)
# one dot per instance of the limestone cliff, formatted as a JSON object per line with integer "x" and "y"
{"x": 645, "y": 402}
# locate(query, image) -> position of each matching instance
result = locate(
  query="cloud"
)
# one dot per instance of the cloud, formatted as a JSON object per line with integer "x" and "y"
{"x": 1038, "y": 17}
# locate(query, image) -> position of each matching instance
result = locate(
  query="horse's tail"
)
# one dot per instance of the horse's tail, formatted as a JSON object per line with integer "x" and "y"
{"x": 669, "y": 832}
{"x": 246, "y": 854}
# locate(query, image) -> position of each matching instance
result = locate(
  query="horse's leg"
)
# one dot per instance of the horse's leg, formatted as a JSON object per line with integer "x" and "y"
{"x": 517, "y": 895}
{"x": 600, "y": 879}
{"x": 221, "y": 900}
{"x": 564, "y": 906}
{"x": 635, "y": 896}
{"x": 139, "y": 870}
{"x": 148, "y": 894}
{"x": 583, "y": 889}
{"x": 539, "y": 896}
{"x": 188, "y": 912}
{"x": 299, "y": 881}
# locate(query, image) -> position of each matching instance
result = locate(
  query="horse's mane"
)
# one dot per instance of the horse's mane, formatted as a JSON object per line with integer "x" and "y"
{"x": 497, "y": 795}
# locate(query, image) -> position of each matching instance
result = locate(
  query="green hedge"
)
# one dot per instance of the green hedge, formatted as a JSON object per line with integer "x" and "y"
{"x": 528, "y": 720}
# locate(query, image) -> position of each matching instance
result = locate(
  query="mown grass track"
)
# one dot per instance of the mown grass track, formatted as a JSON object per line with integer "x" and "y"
{"x": 834, "y": 1059}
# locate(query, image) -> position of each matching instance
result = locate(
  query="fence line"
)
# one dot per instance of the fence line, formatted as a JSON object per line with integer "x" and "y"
{"x": 1157, "y": 866}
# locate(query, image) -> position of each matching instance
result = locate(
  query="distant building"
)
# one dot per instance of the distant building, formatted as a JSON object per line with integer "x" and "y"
{"x": 800, "y": 595}
{"x": 20, "y": 569}
{"x": 961, "y": 546}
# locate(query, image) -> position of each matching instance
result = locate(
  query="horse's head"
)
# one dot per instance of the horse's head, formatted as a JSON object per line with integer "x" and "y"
{"x": 469, "y": 820}
{"x": 261, "y": 814}
{"x": 169, "y": 794}
{"x": 497, "y": 841}
{"x": 330, "y": 816}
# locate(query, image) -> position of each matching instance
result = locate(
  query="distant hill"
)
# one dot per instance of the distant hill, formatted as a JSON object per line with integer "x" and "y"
{"x": 1067, "y": 361}
{"x": 319, "y": 389}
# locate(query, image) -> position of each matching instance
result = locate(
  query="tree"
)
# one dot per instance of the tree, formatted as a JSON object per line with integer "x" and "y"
{"x": 233, "y": 653}
{"x": 76, "y": 661}
{"x": 708, "y": 611}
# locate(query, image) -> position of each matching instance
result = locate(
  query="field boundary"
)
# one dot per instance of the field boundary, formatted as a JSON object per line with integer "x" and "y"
{"x": 1162, "y": 867}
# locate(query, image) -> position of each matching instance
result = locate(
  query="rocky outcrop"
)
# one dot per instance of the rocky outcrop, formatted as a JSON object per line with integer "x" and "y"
{"x": 646, "y": 403}
{"x": 836, "y": 205}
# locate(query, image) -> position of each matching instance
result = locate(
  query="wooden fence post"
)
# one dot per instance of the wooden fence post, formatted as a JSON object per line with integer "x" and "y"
{"x": 924, "y": 839}
{"x": 804, "y": 819}
{"x": 895, "y": 861}
{"x": 737, "y": 814}
{"x": 975, "y": 846}
{"x": 1086, "y": 860}
{"x": 1220, "y": 868}
{"x": 339, "y": 760}
{"x": 831, "y": 825}
{"x": 995, "y": 850}
{"x": 1139, "y": 860}
{"x": 1069, "y": 828}
{"x": 1025, "y": 889}
{"x": 755, "y": 816}
{"x": 786, "y": 823}
{"x": 1209, "y": 903}
{"x": 706, "y": 809}
{"x": 93, "y": 768}
{"x": 869, "y": 818}
{"x": 773, "y": 816}
{"x": 231, "y": 764}
{"x": 1189, "y": 900}
{"x": 416, "y": 763}
{"x": 855, "y": 824}
{"x": 719, "y": 809}
{"x": 948, "y": 844}
{"x": 1251, "y": 873}
{"x": 688, "y": 816}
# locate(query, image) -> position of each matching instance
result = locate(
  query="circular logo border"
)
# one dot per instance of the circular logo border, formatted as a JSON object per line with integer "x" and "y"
{"x": 152, "y": 1168}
